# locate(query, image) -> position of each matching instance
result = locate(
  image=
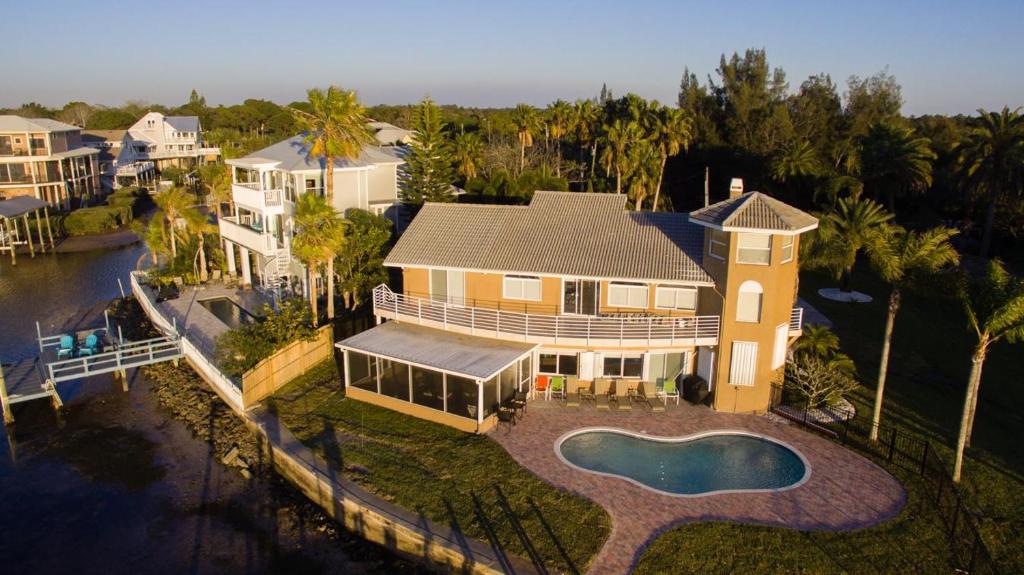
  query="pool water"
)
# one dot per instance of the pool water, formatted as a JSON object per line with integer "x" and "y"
{"x": 227, "y": 311}
{"x": 687, "y": 466}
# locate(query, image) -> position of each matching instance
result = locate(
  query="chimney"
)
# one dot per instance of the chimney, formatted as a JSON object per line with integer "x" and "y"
{"x": 735, "y": 188}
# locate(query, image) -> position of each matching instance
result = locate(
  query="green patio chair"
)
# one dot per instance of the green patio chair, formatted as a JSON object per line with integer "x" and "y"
{"x": 669, "y": 390}
{"x": 558, "y": 386}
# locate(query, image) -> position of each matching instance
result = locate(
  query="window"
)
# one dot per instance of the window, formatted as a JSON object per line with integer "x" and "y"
{"x": 627, "y": 295}
{"x": 743, "y": 364}
{"x": 558, "y": 363}
{"x": 787, "y": 249}
{"x": 675, "y": 297}
{"x": 779, "y": 352}
{"x": 754, "y": 249}
{"x": 623, "y": 366}
{"x": 362, "y": 371}
{"x": 522, "y": 287}
{"x": 748, "y": 304}
{"x": 394, "y": 379}
{"x": 428, "y": 387}
{"x": 718, "y": 245}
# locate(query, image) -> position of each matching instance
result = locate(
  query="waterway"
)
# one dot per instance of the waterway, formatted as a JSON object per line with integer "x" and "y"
{"x": 118, "y": 485}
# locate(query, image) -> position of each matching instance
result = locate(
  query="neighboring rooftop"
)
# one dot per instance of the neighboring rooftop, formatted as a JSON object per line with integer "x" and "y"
{"x": 98, "y": 136}
{"x": 293, "y": 155}
{"x": 754, "y": 211}
{"x": 559, "y": 233}
{"x": 471, "y": 356}
{"x": 20, "y": 205}
{"x": 183, "y": 123}
{"x": 390, "y": 134}
{"x": 19, "y": 124}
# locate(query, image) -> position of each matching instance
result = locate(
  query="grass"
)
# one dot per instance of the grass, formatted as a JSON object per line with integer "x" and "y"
{"x": 924, "y": 395}
{"x": 439, "y": 471}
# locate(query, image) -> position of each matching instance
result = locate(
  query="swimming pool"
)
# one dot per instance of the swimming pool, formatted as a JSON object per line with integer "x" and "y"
{"x": 227, "y": 311}
{"x": 713, "y": 462}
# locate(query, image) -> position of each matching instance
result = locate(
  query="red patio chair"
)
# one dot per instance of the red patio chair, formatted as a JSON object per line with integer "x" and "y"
{"x": 542, "y": 385}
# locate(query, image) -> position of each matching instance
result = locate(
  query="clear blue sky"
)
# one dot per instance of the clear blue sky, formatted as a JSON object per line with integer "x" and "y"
{"x": 950, "y": 57}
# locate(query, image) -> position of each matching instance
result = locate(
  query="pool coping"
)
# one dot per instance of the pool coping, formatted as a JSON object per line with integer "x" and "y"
{"x": 682, "y": 439}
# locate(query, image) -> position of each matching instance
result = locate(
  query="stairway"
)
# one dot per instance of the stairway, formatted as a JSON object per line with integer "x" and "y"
{"x": 275, "y": 274}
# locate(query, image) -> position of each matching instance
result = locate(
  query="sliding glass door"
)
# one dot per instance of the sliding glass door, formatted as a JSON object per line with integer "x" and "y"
{"x": 448, "y": 286}
{"x": 580, "y": 297}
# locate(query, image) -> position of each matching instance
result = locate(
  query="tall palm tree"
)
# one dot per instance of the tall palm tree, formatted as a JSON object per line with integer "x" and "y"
{"x": 993, "y": 161}
{"x": 215, "y": 179}
{"x": 856, "y": 224}
{"x": 198, "y": 224}
{"x": 619, "y": 136}
{"x": 585, "y": 127}
{"x": 319, "y": 239}
{"x": 468, "y": 151}
{"x": 559, "y": 118}
{"x": 893, "y": 160}
{"x": 994, "y": 303}
{"x": 526, "y": 122}
{"x": 645, "y": 169}
{"x": 796, "y": 163}
{"x": 174, "y": 202}
{"x": 671, "y": 131}
{"x": 902, "y": 258}
{"x": 336, "y": 127}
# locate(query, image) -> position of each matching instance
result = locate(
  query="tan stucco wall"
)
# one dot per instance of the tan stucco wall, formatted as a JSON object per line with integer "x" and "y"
{"x": 778, "y": 282}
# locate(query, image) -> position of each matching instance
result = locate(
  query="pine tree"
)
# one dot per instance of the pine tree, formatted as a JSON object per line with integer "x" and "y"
{"x": 428, "y": 173}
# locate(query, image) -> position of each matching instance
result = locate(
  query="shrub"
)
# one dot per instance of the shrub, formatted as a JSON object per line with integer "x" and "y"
{"x": 95, "y": 220}
{"x": 240, "y": 350}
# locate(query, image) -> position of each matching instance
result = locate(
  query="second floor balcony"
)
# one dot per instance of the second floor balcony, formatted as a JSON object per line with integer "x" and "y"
{"x": 259, "y": 197}
{"x": 636, "y": 330}
{"x": 134, "y": 168}
{"x": 243, "y": 231}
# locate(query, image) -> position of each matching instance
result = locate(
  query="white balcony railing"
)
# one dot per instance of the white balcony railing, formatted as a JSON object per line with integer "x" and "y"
{"x": 258, "y": 197}
{"x": 246, "y": 236}
{"x": 796, "y": 321}
{"x": 546, "y": 328}
{"x": 134, "y": 168}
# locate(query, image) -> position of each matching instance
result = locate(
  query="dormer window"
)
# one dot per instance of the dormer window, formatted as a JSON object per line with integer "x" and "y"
{"x": 754, "y": 248}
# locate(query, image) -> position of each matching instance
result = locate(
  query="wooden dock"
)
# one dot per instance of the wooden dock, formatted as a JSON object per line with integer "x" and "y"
{"x": 23, "y": 381}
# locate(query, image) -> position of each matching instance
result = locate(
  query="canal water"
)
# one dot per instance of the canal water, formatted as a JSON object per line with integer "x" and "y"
{"x": 117, "y": 484}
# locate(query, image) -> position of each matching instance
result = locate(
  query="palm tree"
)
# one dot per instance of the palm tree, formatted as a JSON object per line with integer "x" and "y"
{"x": 817, "y": 340}
{"x": 468, "y": 154}
{"x": 994, "y": 303}
{"x": 319, "y": 239}
{"x": 902, "y": 258}
{"x": 585, "y": 126}
{"x": 216, "y": 181}
{"x": 993, "y": 161}
{"x": 619, "y": 136}
{"x": 856, "y": 224}
{"x": 336, "y": 127}
{"x": 894, "y": 159}
{"x": 199, "y": 224}
{"x": 526, "y": 122}
{"x": 645, "y": 170}
{"x": 797, "y": 160}
{"x": 559, "y": 117}
{"x": 174, "y": 202}
{"x": 671, "y": 131}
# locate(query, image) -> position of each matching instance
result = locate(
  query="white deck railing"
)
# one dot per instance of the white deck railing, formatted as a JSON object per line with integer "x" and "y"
{"x": 546, "y": 328}
{"x": 256, "y": 195}
{"x": 796, "y": 320}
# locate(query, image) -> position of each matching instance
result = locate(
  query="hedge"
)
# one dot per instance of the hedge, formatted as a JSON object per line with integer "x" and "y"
{"x": 95, "y": 220}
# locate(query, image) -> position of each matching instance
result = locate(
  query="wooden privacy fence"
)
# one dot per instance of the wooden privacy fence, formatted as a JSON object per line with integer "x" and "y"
{"x": 288, "y": 363}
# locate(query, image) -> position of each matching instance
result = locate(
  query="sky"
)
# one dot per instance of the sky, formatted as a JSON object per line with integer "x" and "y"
{"x": 949, "y": 57}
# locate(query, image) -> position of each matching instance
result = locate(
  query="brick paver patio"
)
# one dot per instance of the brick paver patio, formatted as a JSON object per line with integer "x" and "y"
{"x": 845, "y": 491}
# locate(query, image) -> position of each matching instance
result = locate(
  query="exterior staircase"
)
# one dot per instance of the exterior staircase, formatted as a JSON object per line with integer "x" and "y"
{"x": 275, "y": 273}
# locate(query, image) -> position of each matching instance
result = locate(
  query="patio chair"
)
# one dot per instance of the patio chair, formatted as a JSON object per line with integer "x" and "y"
{"x": 67, "y": 347}
{"x": 557, "y": 387}
{"x": 91, "y": 345}
{"x": 586, "y": 391}
{"x": 519, "y": 402}
{"x": 572, "y": 391}
{"x": 507, "y": 417}
{"x": 601, "y": 393}
{"x": 542, "y": 385}
{"x": 622, "y": 391}
{"x": 669, "y": 390}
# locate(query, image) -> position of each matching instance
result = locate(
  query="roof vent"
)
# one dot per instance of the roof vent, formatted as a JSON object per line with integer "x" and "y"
{"x": 736, "y": 188}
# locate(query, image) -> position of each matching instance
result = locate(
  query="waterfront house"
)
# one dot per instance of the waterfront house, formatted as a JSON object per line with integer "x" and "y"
{"x": 577, "y": 285}
{"x": 46, "y": 159}
{"x": 157, "y": 141}
{"x": 265, "y": 185}
{"x": 108, "y": 143}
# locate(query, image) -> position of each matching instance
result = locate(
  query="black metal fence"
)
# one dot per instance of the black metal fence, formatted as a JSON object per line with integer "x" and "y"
{"x": 900, "y": 448}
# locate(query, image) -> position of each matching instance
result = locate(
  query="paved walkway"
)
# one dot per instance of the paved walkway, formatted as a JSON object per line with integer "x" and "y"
{"x": 845, "y": 491}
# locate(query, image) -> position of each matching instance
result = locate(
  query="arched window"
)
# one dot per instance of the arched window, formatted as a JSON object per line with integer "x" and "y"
{"x": 748, "y": 304}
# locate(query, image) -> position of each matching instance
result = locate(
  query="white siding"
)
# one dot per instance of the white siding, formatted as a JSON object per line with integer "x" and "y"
{"x": 744, "y": 363}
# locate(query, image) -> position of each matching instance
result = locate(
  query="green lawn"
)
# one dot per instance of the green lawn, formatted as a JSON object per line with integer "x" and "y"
{"x": 438, "y": 471}
{"x": 928, "y": 370}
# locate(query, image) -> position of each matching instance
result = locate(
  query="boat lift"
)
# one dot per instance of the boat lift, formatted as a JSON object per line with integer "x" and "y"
{"x": 38, "y": 377}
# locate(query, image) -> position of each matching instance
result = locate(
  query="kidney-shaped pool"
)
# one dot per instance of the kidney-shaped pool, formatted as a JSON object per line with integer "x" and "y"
{"x": 703, "y": 464}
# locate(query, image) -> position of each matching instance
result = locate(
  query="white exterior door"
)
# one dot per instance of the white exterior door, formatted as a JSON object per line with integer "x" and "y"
{"x": 779, "y": 352}
{"x": 743, "y": 366}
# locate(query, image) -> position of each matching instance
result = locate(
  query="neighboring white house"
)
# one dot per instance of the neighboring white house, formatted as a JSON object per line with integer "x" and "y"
{"x": 157, "y": 141}
{"x": 265, "y": 185}
{"x": 390, "y": 134}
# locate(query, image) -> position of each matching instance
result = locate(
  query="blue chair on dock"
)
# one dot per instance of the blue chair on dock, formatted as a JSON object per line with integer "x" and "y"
{"x": 67, "y": 347}
{"x": 92, "y": 344}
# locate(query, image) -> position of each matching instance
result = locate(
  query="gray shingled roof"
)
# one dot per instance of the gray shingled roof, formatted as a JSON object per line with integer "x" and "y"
{"x": 559, "y": 233}
{"x": 19, "y": 124}
{"x": 472, "y": 356}
{"x": 293, "y": 154}
{"x": 183, "y": 123}
{"x": 754, "y": 210}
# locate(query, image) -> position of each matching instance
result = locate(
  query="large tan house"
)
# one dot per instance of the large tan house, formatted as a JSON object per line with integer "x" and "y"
{"x": 575, "y": 284}
{"x": 46, "y": 159}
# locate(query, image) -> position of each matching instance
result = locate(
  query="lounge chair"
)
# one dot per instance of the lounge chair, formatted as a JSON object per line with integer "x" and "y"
{"x": 91, "y": 346}
{"x": 601, "y": 395}
{"x": 669, "y": 390}
{"x": 557, "y": 386}
{"x": 586, "y": 391}
{"x": 622, "y": 391}
{"x": 572, "y": 396}
{"x": 542, "y": 385}
{"x": 67, "y": 347}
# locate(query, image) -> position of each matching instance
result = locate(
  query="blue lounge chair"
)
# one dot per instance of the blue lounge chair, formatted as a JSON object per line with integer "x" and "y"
{"x": 91, "y": 346}
{"x": 67, "y": 347}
